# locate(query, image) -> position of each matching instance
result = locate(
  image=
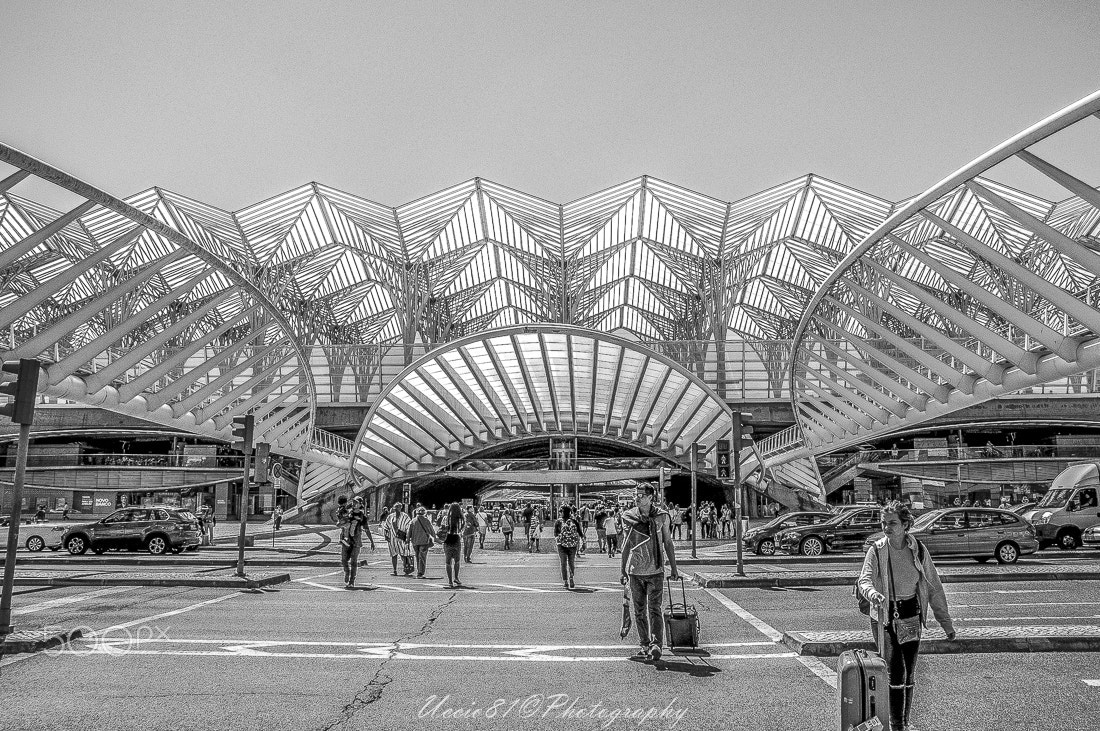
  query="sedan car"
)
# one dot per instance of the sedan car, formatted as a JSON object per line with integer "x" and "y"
{"x": 157, "y": 528}
{"x": 37, "y": 536}
{"x": 845, "y": 531}
{"x": 1090, "y": 537}
{"x": 980, "y": 533}
{"x": 761, "y": 540}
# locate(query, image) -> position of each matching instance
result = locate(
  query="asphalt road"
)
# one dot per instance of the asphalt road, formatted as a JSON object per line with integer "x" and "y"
{"x": 511, "y": 650}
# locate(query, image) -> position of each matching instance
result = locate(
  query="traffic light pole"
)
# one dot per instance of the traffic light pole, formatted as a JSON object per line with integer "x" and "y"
{"x": 13, "y": 529}
{"x": 736, "y": 459}
{"x": 243, "y": 509}
{"x": 694, "y": 496}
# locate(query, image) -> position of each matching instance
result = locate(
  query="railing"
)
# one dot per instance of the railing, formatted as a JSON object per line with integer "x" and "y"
{"x": 597, "y": 463}
{"x": 779, "y": 443}
{"x": 967, "y": 453}
{"x": 84, "y": 459}
{"x": 326, "y": 441}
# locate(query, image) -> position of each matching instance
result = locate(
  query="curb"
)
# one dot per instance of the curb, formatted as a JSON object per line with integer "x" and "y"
{"x": 28, "y": 641}
{"x": 252, "y": 581}
{"x": 751, "y": 558}
{"x": 197, "y": 563}
{"x": 763, "y": 581}
{"x": 981, "y": 640}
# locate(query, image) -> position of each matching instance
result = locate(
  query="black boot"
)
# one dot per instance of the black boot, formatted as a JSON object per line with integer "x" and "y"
{"x": 897, "y": 707}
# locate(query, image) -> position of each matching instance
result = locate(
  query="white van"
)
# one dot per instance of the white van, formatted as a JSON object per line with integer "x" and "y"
{"x": 1069, "y": 507}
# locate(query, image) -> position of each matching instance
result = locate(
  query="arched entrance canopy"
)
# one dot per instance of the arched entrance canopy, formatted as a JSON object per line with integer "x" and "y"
{"x": 972, "y": 290}
{"x": 519, "y": 382}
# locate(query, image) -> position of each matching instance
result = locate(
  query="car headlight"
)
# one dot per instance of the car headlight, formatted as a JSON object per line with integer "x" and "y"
{"x": 1044, "y": 518}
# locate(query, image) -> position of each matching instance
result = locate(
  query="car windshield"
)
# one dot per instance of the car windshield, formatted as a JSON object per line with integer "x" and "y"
{"x": 187, "y": 516}
{"x": 779, "y": 521}
{"x": 1056, "y": 498}
{"x": 926, "y": 519}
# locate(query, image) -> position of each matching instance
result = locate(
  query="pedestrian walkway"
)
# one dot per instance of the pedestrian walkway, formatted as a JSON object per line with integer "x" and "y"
{"x": 1057, "y": 638}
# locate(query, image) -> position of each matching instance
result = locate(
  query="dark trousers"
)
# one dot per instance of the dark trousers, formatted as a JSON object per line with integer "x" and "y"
{"x": 451, "y": 556}
{"x": 567, "y": 557}
{"x": 349, "y": 559}
{"x": 645, "y": 593}
{"x": 612, "y": 542}
{"x": 901, "y": 664}
{"x": 507, "y": 539}
{"x": 421, "y": 558}
{"x": 468, "y": 546}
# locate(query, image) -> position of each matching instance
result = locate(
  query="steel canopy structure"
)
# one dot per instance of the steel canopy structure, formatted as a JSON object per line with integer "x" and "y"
{"x": 529, "y": 382}
{"x": 972, "y": 290}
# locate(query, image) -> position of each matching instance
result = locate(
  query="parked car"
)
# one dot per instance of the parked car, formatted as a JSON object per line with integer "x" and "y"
{"x": 1091, "y": 537}
{"x": 980, "y": 533}
{"x": 761, "y": 540}
{"x": 1022, "y": 508}
{"x": 845, "y": 531}
{"x": 1069, "y": 507}
{"x": 37, "y": 536}
{"x": 156, "y": 528}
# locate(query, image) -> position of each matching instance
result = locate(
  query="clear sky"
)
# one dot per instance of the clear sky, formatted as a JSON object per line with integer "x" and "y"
{"x": 233, "y": 102}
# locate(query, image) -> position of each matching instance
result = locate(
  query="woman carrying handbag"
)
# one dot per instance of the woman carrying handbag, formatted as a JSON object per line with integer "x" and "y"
{"x": 901, "y": 583}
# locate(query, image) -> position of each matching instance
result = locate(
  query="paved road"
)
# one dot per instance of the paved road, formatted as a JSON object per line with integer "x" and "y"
{"x": 411, "y": 654}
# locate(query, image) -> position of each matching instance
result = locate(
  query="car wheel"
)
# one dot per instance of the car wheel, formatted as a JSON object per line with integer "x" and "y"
{"x": 35, "y": 544}
{"x": 76, "y": 545}
{"x": 157, "y": 545}
{"x": 812, "y": 546}
{"x": 1068, "y": 540}
{"x": 766, "y": 547}
{"x": 1007, "y": 552}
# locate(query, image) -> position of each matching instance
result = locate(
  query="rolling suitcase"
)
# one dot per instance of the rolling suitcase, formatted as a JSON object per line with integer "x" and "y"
{"x": 681, "y": 620}
{"x": 864, "y": 687}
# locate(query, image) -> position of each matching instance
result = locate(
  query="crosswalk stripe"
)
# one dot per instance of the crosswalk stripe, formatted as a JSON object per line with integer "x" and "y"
{"x": 66, "y": 600}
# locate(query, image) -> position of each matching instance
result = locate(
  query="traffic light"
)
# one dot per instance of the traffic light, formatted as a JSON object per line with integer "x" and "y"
{"x": 663, "y": 481}
{"x": 21, "y": 392}
{"x": 722, "y": 459}
{"x": 243, "y": 427}
{"x": 263, "y": 454}
{"x": 742, "y": 431}
{"x": 406, "y": 494}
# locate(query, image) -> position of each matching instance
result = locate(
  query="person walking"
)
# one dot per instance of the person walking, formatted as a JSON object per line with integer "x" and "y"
{"x": 601, "y": 537}
{"x": 277, "y": 516}
{"x": 901, "y": 583}
{"x": 727, "y": 520}
{"x": 451, "y": 536}
{"x": 610, "y": 529}
{"x": 567, "y": 532}
{"x": 648, "y": 544}
{"x": 534, "y": 533}
{"x": 482, "y": 527}
{"x": 469, "y": 532}
{"x": 396, "y": 530}
{"x": 677, "y": 522}
{"x": 507, "y": 527}
{"x": 421, "y": 536}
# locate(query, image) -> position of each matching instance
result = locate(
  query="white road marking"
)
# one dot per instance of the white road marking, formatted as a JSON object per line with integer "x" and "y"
{"x": 66, "y": 600}
{"x": 812, "y": 664}
{"x": 764, "y": 628}
{"x": 387, "y": 650}
{"x": 1026, "y": 604}
{"x": 1093, "y": 683}
{"x": 174, "y": 612}
{"x": 1020, "y": 619}
{"x": 326, "y": 587}
{"x": 523, "y": 588}
{"x": 1010, "y": 591}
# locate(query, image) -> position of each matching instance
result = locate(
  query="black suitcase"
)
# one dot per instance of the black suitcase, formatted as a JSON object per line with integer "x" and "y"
{"x": 681, "y": 620}
{"x": 864, "y": 688}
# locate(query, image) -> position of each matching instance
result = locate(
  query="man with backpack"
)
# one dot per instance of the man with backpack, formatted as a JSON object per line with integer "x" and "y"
{"x": 421, "y": 535}
{"x": 647, "y": 545}
{"x": 567, "y": 532}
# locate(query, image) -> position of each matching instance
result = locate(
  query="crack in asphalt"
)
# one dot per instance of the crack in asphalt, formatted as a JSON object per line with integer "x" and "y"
{"x": 372, "y": 691}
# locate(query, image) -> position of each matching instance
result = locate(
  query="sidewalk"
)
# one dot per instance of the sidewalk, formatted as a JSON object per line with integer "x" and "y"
{"x": 1058, "y": 638}
{"x": 207, "y": 578}
{"x": 756, "y": 576}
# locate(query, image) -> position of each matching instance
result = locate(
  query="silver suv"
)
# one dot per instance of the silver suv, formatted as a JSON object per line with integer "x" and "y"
{"x": 156, "y": 528}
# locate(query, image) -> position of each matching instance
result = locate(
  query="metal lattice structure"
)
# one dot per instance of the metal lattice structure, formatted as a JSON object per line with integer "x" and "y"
{"x": 126, "y": 313}
{"x": 529, "y": 382}
{"x": 972, "y": 290}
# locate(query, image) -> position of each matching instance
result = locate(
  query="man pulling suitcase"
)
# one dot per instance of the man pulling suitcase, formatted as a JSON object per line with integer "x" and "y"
{"x": 648, "y": 543}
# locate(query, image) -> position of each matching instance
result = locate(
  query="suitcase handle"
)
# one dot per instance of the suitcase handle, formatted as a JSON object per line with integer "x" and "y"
{"x": 683, "y": 590}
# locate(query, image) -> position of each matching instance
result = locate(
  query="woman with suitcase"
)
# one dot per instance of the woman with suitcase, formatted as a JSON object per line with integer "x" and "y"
{"x": 901, "y": 583}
